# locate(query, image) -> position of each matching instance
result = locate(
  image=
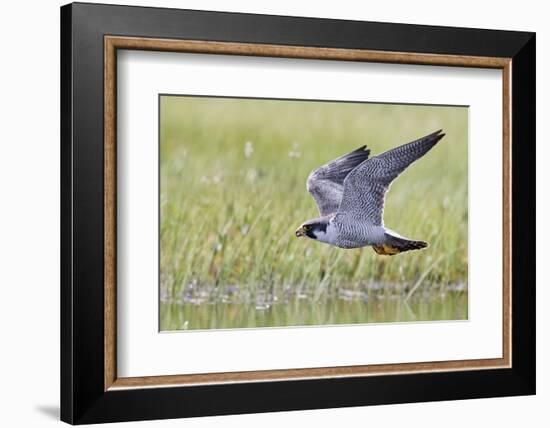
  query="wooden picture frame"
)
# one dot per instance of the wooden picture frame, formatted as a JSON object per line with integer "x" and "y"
{"x": 91, "y": 391}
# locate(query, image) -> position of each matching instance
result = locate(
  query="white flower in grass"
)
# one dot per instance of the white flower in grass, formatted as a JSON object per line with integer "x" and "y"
{"x": 245, "y": 228}
{"x": 295, "y": 152}
{"x": 215, "y": 179}
{"x": 251, "y": 175}
{"x": 248, "y": 149}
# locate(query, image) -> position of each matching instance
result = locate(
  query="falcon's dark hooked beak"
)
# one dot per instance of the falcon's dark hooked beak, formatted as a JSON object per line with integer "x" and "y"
{"x": 300, "y": 232}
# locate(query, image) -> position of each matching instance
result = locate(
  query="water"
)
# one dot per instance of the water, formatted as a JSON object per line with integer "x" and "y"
{"x": 208, "y": 311}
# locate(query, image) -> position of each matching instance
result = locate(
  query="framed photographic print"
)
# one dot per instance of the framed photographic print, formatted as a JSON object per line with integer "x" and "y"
{"x": 265, "y": 213}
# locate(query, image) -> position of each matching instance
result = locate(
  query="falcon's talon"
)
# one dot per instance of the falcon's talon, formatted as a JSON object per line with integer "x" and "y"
{"x": 386, "y": 250}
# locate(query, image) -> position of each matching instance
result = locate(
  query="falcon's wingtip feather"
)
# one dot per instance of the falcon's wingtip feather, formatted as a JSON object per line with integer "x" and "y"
{"x": 433, "y": 138}
{"x": 363, "y": 150}
{"x": 437, "y": 135}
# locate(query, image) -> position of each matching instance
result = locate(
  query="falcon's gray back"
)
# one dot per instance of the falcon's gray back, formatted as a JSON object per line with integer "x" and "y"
{"x": 326, "y": 183}
{"x": 365, "y": 187}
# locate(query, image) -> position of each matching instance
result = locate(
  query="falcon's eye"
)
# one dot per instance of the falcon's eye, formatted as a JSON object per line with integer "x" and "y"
{"x": 307, "y": 227}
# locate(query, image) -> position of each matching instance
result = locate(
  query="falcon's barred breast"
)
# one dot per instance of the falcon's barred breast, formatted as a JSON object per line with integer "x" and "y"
{"x": 350, "y": 193}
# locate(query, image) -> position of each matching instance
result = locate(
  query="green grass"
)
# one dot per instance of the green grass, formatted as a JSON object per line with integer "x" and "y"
{"x": 228, "y": 255}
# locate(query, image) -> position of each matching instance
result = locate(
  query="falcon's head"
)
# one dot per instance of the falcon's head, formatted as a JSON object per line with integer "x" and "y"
{"x": 315, "y": 229}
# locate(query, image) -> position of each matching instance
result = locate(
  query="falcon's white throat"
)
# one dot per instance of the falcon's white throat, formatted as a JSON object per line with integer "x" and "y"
{"x": 327, "y": 236}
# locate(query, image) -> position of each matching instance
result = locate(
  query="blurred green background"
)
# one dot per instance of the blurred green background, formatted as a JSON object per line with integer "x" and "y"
{"x": 232, "y": 193}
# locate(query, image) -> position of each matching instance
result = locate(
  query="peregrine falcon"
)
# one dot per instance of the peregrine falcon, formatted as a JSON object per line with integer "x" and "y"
{"x": 350, "y": 193}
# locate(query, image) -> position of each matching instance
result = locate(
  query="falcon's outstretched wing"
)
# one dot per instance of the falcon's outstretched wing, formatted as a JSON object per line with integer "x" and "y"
{"x": 326, "y": 183}
{"x": 366, "y": 186}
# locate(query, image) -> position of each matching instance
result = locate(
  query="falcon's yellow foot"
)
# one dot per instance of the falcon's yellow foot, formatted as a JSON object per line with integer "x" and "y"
{"x": 386, "y": 250}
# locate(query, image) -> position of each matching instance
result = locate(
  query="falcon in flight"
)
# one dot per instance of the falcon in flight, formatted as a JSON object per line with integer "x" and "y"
{"x": 350, "y": 193}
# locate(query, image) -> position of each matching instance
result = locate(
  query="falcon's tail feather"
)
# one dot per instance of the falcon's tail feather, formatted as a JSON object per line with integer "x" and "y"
{"x": 396, "y": 244}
